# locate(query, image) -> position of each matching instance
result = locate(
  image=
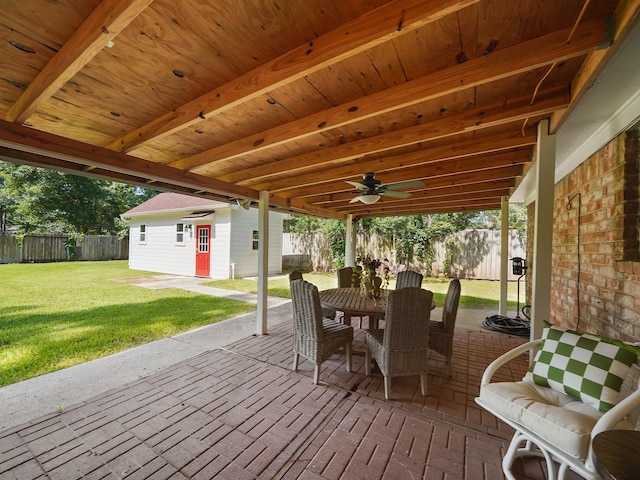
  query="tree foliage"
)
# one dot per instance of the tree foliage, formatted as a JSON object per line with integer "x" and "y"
{"x": 413, "y": 236}
{"x": 37, "y": 200}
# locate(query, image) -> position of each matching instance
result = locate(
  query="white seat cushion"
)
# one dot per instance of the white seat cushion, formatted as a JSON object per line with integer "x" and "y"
{"x": 553, "y": 416}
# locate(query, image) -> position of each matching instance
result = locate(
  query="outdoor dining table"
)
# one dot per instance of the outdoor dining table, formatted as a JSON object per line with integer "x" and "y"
{"x": 351, "y": 302}
{"x": 615, "y": 454}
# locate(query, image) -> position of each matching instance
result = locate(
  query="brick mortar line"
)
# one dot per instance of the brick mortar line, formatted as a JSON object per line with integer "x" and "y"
{"x": 436, "y": 415}
{"x": 295, "y": 456}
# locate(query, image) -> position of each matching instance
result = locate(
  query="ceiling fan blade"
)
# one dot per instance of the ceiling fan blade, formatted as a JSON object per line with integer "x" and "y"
{"x": 395, "y": 194}
{"x": 355, "y": 199}
{"x": 404, "y": 185}
{"x": 358, "y": 185}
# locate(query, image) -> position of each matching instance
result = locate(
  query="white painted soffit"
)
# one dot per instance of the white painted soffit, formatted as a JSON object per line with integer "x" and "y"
{"x": 610, "y": 106}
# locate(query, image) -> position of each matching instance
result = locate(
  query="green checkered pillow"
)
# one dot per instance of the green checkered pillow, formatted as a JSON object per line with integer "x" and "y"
{"x": 584, "y": 366}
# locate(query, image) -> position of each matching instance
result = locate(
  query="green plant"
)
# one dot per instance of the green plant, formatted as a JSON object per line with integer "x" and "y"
{"x": 62, "y": 314}
{"x": 447, "y": 262}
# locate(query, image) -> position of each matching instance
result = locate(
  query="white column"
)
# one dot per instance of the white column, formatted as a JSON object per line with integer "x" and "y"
{"x": 504, "y": 255}
{"x": 263, "y": 261}
{"x": 350, "y": 243}
{"x": 543, "y": 224}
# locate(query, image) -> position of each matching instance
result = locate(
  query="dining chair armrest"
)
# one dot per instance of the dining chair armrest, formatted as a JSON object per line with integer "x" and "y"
{"x": 493, "y": 367}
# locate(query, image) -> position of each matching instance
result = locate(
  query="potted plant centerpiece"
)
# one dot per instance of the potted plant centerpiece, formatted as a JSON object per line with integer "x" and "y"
{"x": 373, "y": 274}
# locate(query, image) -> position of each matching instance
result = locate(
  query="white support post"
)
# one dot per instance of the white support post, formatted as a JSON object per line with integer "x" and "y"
{"x": 543, "y": 237}
{"x": 263, "y": 261}
{"x": 504, "y": 255}
{"x": 350, "y": 243}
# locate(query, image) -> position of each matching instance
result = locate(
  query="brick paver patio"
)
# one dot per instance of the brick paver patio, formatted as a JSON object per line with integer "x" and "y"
{"x": 240, "y": 413}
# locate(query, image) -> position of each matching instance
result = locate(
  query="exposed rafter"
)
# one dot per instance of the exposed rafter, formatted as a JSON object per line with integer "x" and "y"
{"x": 230, "y": 98}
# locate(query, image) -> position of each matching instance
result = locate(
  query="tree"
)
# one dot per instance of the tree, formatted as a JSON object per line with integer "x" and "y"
{"x": 44, "y": 201}
{"x": 414, "y": 236}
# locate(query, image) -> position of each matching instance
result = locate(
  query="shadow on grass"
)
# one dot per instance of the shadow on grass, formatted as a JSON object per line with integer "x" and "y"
{"x": 34, "y": 344}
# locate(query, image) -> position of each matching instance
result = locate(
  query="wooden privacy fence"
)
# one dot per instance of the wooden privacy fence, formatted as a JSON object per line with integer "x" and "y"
{"x": 470, "y": 253}
{"x": 34, "y": 248}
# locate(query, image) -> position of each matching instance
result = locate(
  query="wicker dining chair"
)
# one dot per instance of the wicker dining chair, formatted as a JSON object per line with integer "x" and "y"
{"x": 441, "y": 332}
{"x": 408, "y": 278}
{"x": 347, "y": 280}
{"x": 401, "y": 349}
{"x": 327, "y": 312}
{"x": 314, "y": 337}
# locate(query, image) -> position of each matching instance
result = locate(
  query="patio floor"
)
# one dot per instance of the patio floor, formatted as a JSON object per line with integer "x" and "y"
{"x": 239, "y": 412}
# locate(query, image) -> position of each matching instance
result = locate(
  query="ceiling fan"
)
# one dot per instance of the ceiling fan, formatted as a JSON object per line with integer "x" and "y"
{"x": 373, "y": 189}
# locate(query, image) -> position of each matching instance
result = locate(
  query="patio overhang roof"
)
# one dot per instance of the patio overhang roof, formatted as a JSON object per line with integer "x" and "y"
{"x": 227, "y": 99}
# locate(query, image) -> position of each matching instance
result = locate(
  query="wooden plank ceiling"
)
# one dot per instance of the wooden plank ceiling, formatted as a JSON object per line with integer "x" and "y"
{"x": 226, "y": 98}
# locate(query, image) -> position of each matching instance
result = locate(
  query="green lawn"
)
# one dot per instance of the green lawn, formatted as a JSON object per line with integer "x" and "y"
{"x": 475, "y": 293}
{"x": 56, "y": 315}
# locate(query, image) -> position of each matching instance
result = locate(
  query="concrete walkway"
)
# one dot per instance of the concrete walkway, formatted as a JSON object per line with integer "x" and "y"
{"x": 23, "y": 401}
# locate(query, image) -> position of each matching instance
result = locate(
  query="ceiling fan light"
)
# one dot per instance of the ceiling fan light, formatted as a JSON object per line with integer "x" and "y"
{"x": 369, "y": 198}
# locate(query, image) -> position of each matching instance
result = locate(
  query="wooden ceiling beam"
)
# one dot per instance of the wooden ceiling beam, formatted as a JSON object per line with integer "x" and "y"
{"x": 357, "y": 208}
{"x": 103, "y": 24}
{"x": 429, "y": 174}
{"x": 304, "y": 202}
{"x": 425, "y": 209}
{"x": 373, "y": 28}
{"x": 41, "y": 161}
{"x": 20, "y": 144}
{"x": 356, "y": 167}
{"x": 21, "y": 138}
{"x": 497, "y": 65}
{"x": 500, "y": 188}
{"x": 471, "y": 120}
{"x": 417, "y": 172}
{"x": 301, "y": 207}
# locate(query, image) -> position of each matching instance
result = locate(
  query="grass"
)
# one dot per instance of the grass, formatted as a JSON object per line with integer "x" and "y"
{"x": 56, "y": 315}
{"x": 475, "y": 293}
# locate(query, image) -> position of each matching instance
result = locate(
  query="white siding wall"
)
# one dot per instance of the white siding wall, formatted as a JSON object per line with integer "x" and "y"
{"x": 231, "y": 242}
{"x": 275, "y": 242}
{"x": 160, "y": 253}
{"x": 220, "y": 244}
{"x": 242, "y": 253}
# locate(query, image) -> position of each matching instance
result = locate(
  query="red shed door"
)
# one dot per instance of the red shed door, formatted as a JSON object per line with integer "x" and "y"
{"x": 203, "y": 260}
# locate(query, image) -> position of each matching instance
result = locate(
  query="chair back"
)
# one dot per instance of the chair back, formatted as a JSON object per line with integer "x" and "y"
{"x": 408, "y": 278}
{"x": 407, "y": 319}
{"x": 345, "y": 278}
{"x": 295, "y": 275}
{"x": 307, "y": 311}
{"x": 450, "y": 308}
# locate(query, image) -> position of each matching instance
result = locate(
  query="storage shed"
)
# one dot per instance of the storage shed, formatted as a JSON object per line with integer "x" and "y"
{"x": 185, "y": 235}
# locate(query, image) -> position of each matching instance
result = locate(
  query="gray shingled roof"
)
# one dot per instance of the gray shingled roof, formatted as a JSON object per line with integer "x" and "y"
{"x": 174, "y": 202}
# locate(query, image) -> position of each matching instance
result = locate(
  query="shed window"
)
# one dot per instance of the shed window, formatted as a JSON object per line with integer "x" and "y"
{"x": 143, "y": 233}
{"x": 255, "y": 240}
{"x": 180, "y": 233}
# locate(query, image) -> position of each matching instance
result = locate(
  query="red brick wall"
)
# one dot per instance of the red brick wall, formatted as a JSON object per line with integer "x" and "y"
{"x": 604, "y": 189}
{"x": 531, "y": 216}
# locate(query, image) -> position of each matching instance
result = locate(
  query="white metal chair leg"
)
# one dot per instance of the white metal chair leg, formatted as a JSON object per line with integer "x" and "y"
{"x": 347, "y": 349}
{"x": 387, "y": 382}
{"x": 316, "y": 374}
{"x": 530, "y": 449}
{"x": 295, "y": 361}
{"x": 423, "y": 384}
